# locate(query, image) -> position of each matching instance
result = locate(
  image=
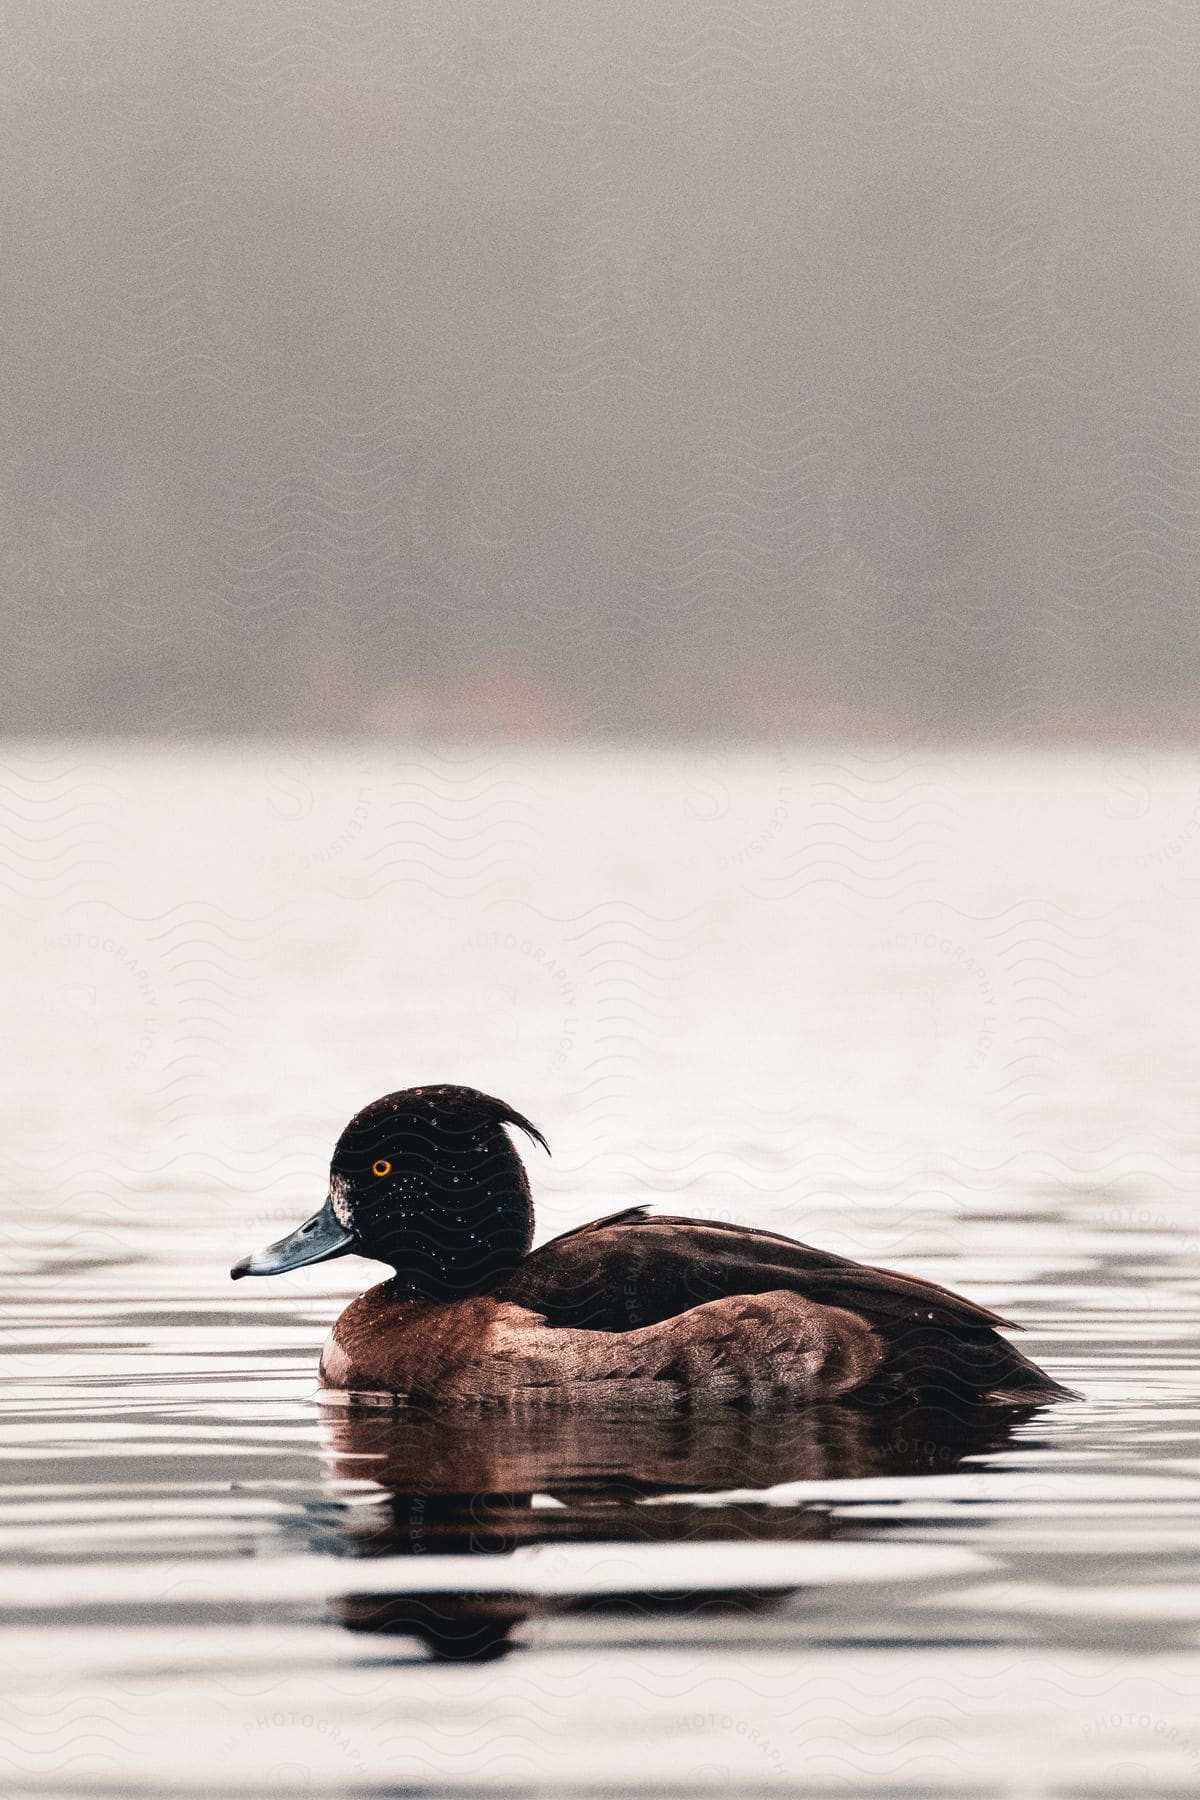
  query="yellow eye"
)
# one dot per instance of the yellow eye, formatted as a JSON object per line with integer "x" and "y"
{"x": 381, "y": 1168}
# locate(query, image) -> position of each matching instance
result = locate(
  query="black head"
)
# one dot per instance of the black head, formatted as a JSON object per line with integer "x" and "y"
{"x": 427, "y": 1180}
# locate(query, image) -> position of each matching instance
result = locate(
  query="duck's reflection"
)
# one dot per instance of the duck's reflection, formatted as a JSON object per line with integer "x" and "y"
{"x": 454, "y": 1482}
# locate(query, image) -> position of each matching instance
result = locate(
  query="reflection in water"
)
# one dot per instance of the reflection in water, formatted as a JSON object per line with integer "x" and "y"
{"x": 463, "y": 1481}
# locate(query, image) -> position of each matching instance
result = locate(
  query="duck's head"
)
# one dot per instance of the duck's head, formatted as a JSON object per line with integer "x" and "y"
{"x": 427, "y": 1180}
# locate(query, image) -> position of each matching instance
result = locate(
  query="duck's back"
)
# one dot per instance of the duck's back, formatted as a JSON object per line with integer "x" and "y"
{"x": 630, "y": 1270}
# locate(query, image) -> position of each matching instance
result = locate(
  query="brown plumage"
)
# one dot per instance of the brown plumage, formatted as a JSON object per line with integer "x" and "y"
{"x": 484, "y": 1348}
{"x": 650, "y": 1310}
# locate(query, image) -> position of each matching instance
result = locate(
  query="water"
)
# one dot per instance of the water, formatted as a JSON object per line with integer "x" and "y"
{"x": 936, "y": 1010}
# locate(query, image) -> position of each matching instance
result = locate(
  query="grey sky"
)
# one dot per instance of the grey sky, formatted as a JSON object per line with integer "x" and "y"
{"x": 611, "y": 367}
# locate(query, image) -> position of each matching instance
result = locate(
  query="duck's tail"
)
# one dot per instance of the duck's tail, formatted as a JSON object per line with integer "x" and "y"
{"x": 969, "y": 1364}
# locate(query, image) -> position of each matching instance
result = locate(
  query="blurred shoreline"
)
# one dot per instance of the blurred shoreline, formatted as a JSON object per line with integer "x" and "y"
{"x": 517, "y": 705}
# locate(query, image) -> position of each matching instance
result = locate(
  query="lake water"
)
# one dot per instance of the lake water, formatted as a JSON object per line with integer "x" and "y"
{"x": 935, "y": 1010}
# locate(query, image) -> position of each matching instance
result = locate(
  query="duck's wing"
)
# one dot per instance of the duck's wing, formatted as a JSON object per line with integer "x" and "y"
{"x": 629, "y": 1270}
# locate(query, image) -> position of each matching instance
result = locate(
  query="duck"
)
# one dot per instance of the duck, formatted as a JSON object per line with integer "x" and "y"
{"x": 630, "y": 1309}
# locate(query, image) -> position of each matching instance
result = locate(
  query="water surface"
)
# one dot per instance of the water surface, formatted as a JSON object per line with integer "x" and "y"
{"x": 936, "y": 1010}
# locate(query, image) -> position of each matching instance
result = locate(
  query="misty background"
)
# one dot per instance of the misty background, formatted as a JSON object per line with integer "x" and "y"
{"x": 537, "y": 370}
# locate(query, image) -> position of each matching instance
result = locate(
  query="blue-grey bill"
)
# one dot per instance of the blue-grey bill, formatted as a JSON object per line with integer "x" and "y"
{"x": 319, "y": 1239}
